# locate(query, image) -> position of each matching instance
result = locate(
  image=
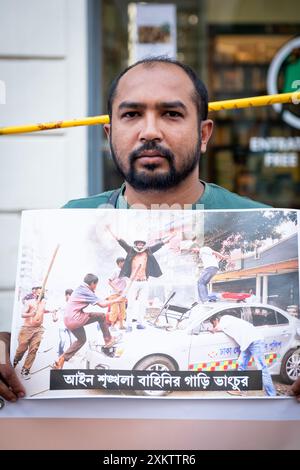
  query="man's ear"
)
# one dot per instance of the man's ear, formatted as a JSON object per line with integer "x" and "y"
{"x": 106, "y": 128}
{"x": 206, "y": 132}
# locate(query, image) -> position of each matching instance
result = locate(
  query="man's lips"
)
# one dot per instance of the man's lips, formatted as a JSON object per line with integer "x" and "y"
{"x": 151, "y": 157}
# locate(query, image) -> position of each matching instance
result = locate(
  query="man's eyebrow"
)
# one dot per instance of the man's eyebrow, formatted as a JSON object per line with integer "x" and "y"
{"x": 159, "y": 105}
{"x": 131, "y": 104}
{"x": 172, "y": 104}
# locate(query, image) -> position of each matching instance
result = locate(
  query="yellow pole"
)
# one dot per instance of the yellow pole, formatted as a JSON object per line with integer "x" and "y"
{"x": 104, "y": 119}
{"x": 255, "y": 101}
{"x": 46, "y": 126}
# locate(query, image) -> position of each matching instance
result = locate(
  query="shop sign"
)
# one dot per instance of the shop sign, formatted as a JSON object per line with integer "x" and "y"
{"x": 291, "y": 70}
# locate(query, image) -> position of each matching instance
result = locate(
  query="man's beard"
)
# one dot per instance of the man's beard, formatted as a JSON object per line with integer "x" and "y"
{"x": 144, "y": 180}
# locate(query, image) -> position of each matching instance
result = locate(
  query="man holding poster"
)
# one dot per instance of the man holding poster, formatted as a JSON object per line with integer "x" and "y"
{"x": 157, "y": 132}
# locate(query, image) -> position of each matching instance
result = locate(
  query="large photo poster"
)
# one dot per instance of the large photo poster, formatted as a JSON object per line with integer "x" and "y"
{"x": 174, "y": 304}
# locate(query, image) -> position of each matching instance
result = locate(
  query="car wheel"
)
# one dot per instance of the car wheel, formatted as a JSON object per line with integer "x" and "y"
{"x": 156, "y": 363}
{"x": 290, "y": 366}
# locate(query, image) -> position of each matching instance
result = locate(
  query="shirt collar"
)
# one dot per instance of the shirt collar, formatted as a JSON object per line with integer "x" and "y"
{"x": 123, "y": 204}
{"x": 121, "y": 201}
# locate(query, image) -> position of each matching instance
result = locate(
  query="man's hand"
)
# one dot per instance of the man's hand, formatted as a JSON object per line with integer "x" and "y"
{"x": 220, "y": 256}
{"x": 296, "y": 389}
{"x": 10, "y": 386}
{"x": 168, "y": 238}
{"x": 108, "y": 229}
{"x": 54, "y": 315}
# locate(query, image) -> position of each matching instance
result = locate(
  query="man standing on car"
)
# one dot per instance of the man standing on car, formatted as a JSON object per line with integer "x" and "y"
{"x": 210, "y": 259}
{"x": 139, "y": 265}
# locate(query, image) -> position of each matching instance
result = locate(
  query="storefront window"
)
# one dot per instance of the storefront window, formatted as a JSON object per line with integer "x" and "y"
{"x": 254, "y": 151}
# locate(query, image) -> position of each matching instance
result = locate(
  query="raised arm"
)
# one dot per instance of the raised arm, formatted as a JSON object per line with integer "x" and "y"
{"x": 121, "y": 242}
{"x": 108, "y": 228}
{"x": 219, "y": 255}
{"x": 168, "y": 238}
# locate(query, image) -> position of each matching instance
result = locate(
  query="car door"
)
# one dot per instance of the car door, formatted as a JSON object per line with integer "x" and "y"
{"x": 213, "y": 351}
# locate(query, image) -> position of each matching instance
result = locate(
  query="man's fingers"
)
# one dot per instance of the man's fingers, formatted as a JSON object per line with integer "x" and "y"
{"x": 6, "y": 393}
{"x": 15, "y": 384}
{"x": 10, "y": 386}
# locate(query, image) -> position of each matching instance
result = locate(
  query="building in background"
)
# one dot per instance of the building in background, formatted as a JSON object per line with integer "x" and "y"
{"x": 44, "y": 65}
{"x": 231, "y": 44}
{"x": 56, "y": 62}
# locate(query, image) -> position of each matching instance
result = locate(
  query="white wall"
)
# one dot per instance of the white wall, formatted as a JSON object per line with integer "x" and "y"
{"x": 43, "y": 63}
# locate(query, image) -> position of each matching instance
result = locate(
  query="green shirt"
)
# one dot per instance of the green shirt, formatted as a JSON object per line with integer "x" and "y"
{"x": 213, "y": 197}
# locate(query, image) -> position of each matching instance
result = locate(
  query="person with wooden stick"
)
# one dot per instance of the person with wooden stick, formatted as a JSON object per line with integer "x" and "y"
{"x": 32, "y": 331}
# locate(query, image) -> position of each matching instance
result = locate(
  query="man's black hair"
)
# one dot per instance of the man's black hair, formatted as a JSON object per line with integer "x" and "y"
{"x": 68, "y": 291}
{"x": 28, "y": 297}
{"x": 90, "y": 279}
{"x": 200, "y": 92}
{"x": 214, "y": 317}
{"x": 120, "y": 260}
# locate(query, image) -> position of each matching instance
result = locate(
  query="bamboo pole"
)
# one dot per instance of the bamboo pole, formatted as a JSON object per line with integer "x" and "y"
{"x": 266, "y": 100}
{"x": 46, "y": 126}
{"x": 37, "y": 316}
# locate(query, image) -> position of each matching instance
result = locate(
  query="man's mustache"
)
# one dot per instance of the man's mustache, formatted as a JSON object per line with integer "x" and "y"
{"x": 151, "y": 146}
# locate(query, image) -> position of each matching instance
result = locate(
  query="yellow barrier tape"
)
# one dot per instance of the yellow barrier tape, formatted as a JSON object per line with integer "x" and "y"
{"x": 104, "y": 119}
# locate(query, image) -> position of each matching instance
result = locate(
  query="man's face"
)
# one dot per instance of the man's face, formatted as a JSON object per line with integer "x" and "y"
{"x": 154, "y": 134}
{"x": 140, "y": 246}
{"x": 37, "y": 292}
{"x": 93, "y": 286}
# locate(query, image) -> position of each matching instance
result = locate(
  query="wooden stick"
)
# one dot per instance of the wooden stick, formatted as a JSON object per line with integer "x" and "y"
{"x": 38, "y": 315}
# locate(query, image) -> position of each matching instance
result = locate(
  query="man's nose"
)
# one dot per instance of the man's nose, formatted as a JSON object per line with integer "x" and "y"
{"x": 150, "y": 129}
